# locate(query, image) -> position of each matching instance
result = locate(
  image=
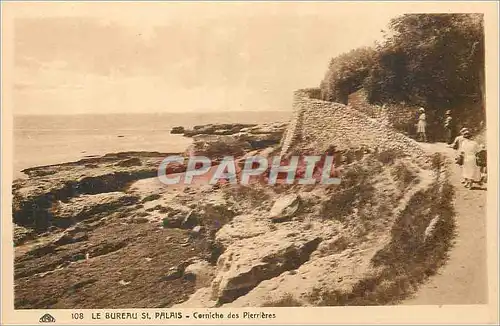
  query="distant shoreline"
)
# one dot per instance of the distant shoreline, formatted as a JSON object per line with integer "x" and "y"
{"x": 41, "y": 140}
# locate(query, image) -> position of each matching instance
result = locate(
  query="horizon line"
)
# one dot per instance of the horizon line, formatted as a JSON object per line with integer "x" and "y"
{"x": 156, "y": 112}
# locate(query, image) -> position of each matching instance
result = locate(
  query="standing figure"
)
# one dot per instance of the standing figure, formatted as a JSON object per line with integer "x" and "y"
{"x": 421, "y": 125}
{"x": 470, "y": 170}
{"x": 481, "y": 162}
{"x": 457, "y": 143}
{"x": 449, "y": 127}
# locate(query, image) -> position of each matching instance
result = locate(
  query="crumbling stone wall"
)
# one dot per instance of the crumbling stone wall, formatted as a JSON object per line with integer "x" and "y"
{"x": 401, "y": 117}
{"x": 318, "y": 124}
{"x": 293, "y": 132}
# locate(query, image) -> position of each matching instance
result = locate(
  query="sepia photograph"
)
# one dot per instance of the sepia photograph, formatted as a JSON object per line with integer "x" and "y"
{"x": 248, "y": 155}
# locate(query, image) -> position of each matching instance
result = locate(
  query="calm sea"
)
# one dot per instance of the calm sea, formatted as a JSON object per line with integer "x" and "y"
{"x": 43, "y": 140}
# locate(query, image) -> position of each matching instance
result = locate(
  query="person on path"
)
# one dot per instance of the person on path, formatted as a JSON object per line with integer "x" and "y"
{"x": 470, "y": 170}
{"x": 457, "y": 145}
{"x": 449, "y": 127}
{"x": 481, "y": 162}
{"x": 458, "y": 140}
{"x": 421, "y": 126}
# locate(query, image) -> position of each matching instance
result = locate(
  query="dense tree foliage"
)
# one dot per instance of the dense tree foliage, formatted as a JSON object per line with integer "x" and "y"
{"x": 431, "y": 60}
{"x": 346, "y": 73}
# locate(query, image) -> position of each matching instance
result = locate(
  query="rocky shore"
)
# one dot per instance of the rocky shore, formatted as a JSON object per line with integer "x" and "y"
{"x": 218, "y": 140}
{"x": 105, "y": 233}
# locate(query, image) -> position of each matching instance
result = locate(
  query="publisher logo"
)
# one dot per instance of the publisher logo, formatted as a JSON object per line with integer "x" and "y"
{"x": 47, "y": 318}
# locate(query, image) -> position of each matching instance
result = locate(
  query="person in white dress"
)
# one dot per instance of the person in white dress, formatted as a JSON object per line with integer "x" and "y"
{"x": 470, "y": 170}
{"x": 457, "y": 143}
{"x": 421, "y": 125}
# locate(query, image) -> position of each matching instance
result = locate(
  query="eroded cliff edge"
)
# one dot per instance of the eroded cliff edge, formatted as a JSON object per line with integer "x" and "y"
{"x": 104, "y": 232}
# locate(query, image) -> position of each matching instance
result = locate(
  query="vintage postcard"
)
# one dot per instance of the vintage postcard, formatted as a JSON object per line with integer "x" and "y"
{"x": 249, "y": 162}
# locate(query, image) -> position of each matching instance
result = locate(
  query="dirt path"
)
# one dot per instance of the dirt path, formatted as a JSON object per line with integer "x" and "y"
{"x": 463, "y": 280}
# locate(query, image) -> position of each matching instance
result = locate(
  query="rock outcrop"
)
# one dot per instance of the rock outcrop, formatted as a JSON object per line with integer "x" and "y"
{"x": 217, "y": 129}
{"x": 284, "y": 208}
{"x": 34, "y": 198}
{"x": 65, "y": 214}
{"x": 211, "y": 139}
{"x": 340, "y": 248}
{"x": 178, "y": 130}
{"x": 201, "y": 272}
{"x": 368, "y": 240}
{"x": 217, "y": 147}
{"x": 248, "y": 262}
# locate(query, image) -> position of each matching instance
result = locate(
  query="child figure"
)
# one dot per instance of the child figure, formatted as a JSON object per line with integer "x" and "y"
{"x": 481, "y": 162}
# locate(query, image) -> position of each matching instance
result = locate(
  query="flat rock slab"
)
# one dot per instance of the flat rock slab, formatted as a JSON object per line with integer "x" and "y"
{"x": 248, "y": 262}
{"x": 284, "y": 208}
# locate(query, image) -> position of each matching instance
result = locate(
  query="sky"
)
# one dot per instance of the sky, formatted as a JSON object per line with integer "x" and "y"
{"x": 72, "y": 58}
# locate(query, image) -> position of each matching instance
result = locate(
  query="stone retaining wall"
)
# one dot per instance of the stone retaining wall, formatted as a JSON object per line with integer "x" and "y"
{"x": 401, "y": 117}
{"x": 318, "y": 124}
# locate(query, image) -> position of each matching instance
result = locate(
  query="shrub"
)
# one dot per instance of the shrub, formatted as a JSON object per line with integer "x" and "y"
{"x": 151, "y": 198}
{"x": 346, "y": 73}
{"x": 437, "y": 161}
{"x": 403, "y": 174}
{"x": 286, "y": 301}
{"x": 389, "y": 156}
{"x": 255, "y": 195}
